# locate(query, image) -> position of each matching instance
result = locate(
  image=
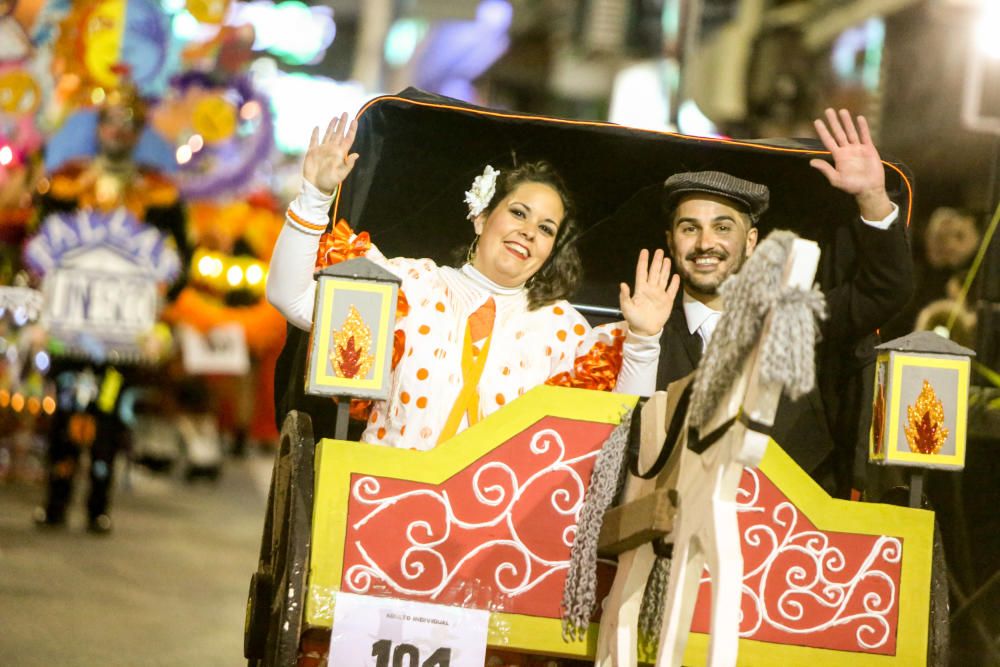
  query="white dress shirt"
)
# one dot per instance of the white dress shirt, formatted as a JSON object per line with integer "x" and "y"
{"x": 700, "y": 318}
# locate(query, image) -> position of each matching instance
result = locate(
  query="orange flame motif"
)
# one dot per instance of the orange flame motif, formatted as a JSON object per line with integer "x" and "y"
{"x": 925, "y": 431}
{"x": 878, "y": 419}
{"x": 352, "y": 345}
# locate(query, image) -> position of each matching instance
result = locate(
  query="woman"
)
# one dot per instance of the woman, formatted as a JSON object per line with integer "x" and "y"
{"x": 469, "y": 340}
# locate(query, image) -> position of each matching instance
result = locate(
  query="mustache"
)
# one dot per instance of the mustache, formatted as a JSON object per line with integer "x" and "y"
{"x": 694, "y": 255}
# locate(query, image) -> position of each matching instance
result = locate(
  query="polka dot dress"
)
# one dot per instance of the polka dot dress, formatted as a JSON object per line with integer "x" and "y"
{"x": 526, "y": 349}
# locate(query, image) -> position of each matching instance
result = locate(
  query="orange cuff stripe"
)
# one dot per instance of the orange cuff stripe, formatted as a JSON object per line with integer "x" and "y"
{"x": 305, "y": 223}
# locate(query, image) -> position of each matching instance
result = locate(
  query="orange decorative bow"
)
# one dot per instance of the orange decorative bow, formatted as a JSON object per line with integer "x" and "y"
{"x": 598, "y": 369}
{"x": 336, "y": 246}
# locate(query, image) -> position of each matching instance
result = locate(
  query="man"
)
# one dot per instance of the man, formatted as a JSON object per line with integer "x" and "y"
{"x": 89, "y": 391}
{"x": 713, "y": 217}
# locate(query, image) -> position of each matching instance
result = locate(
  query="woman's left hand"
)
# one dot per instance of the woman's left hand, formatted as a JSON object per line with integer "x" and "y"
{"x": 329, "y": 160}
{"x": 648, "y": 309}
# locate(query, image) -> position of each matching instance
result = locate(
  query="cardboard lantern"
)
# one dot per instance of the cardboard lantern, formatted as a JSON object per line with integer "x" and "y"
{"x": 350, "y": 349}
{"x": 920, "y": 406}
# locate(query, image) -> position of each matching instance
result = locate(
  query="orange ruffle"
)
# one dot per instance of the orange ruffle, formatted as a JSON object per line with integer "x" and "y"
{"x": 360, "y": 409}
{"x": 336, "y": 246}
{"x": 598, "y": 369}
{"x": 402, "y": 306}
{"x": 399, "y": 337}
{"x": 398, "y": 345}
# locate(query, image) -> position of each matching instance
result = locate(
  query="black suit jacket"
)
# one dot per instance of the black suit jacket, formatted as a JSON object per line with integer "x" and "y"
{"x": 866, "y": 279}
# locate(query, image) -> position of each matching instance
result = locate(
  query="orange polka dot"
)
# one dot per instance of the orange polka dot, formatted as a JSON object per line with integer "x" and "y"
{"x": 424, "y": 329}
{"x": 374, "y": 417}
{"x": 422, "y": 402}
{"x": 558, "y": 311}
{"x": 422, "y": 374}
{"x": 500, "y": 399}
{"x": 409, "y": 352}
{"x": 404, "y": 397}
{"x": 439, "y": 306}
{"x": 402, "y": 431}
{"x": 579, "y": 330}
{"x": 380, "y": 433}
{"x": 519, "y": 335}
{"x": 548, "y": 350}
{"x": 506, "y": 370}
{"x": 561, "y": 335}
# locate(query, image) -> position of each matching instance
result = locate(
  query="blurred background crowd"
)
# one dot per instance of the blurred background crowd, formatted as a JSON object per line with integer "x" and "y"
{"x": 193, "y": 114}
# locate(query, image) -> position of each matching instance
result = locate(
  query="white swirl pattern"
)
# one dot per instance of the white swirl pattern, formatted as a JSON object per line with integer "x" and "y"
{"x": 521, "y": 571}
{"x": 818, "y": 580}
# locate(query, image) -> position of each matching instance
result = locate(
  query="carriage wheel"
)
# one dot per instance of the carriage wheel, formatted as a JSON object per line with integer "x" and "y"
{"x": 277, "y": 590}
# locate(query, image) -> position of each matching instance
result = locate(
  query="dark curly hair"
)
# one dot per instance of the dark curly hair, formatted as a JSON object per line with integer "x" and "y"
{"x": 562, "y": 272}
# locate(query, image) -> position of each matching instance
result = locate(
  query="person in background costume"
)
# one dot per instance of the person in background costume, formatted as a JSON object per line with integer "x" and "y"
{"x": 472, "y": 339}
{"x": 112, "y": 179}
{"x": 87, "y": 416}
{"x": 711, "y": 231}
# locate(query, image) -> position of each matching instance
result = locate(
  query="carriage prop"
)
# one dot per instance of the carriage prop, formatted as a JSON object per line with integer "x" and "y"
{"x": 486, "y": 521}
{"x": 754, "y": 553}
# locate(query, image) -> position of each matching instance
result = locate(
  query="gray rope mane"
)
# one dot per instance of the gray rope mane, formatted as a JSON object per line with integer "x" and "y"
{"x": 787, "y": 354}
{"x": 654, "y": 598}
{"x": 607, "y": 480}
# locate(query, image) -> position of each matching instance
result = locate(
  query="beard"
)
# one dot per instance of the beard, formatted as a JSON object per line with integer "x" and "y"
{"x": 708, "y": 285}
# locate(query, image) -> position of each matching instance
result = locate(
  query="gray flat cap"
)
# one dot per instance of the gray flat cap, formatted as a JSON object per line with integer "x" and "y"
{"x": 752, "y": 196}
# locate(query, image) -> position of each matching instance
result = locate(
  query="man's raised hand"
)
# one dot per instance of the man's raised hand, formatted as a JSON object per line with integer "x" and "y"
{"x": 857, "y": 168}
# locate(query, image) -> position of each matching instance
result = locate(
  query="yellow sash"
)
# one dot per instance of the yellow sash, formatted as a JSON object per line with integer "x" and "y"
{"x": 467, "y": 402}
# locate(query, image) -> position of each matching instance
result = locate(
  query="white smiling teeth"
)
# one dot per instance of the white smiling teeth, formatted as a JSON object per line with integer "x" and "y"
{"x": 523, "y": 252}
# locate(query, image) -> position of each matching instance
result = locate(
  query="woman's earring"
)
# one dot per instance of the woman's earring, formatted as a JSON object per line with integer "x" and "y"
{"x": 470, "y": 254}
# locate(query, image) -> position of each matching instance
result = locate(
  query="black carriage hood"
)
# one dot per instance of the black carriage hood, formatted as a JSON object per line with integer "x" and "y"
{"x": 419, "y": 153}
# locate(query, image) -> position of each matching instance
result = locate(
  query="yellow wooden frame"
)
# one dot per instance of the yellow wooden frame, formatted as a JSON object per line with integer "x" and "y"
{"x": 328, "y": 288}
{"x": 890, "y": 453}
{"x": 337, "y": 460}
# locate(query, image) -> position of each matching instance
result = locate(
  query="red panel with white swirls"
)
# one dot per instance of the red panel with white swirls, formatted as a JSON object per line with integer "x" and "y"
{"x": 806, "y": 587}
{"x": 496, "y": 535}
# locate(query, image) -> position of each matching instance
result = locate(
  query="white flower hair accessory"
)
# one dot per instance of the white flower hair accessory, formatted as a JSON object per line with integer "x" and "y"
{"x": 483, "y": 189}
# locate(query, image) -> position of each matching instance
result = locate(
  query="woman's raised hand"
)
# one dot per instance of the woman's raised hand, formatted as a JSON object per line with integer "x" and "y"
{"x": 649, "y": 308}
{"x": 330, "y": 160}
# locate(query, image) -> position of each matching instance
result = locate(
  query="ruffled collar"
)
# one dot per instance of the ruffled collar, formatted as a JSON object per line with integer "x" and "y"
{"x": 473, "y": 274}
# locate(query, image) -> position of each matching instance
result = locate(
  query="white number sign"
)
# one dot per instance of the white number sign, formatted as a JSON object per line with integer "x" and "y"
{"x": 384, "y": 632}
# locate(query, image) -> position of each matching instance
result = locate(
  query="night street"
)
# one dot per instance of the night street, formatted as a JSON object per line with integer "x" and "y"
{"x": 167, "y": 587}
